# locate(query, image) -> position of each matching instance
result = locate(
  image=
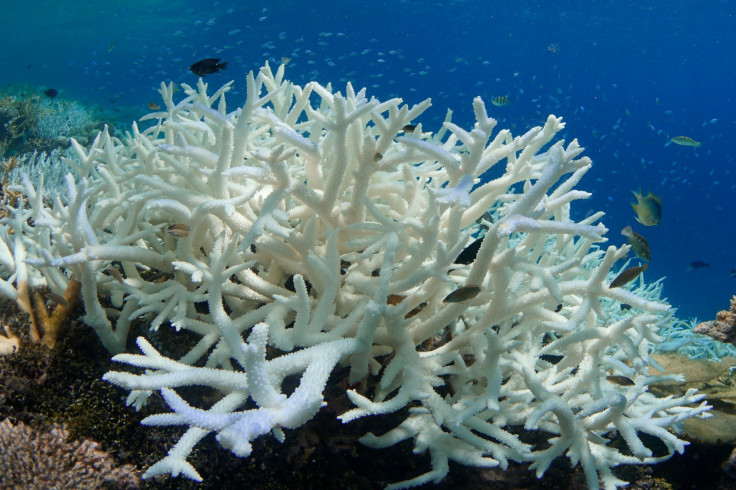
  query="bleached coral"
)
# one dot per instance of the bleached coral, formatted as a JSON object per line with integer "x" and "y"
{"x": 46, "y": 170}
{"x": 317, "y": 234}
{"x": 60, "y": 120}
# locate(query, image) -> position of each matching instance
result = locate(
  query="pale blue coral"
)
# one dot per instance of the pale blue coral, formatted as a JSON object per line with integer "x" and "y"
{"x": 62, "y": 120}
{"x": 680, "y": 337}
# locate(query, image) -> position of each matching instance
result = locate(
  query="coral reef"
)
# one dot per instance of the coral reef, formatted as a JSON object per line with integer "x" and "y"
{"x": 45, "y": 170}
{"x": 723, "y": 328}
{"x": 34, "y": 123}
{"x": 41, "y": 459}
{"x": 306, "y": 232}
{"x": 18, "y": 117}
{"x": 679, "y": 336}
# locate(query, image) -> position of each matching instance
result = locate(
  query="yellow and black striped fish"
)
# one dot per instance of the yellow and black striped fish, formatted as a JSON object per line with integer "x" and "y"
{"x": 500, "y": 101}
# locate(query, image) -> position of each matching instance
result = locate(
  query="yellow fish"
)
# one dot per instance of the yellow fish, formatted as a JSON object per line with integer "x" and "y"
{"x": 685, "y": 141}
{"x": 648, "y": 208}
{"x": 500, "y": 101}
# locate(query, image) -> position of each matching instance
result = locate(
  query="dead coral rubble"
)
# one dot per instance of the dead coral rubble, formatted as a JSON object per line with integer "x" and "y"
{"x": 723, "y": 328}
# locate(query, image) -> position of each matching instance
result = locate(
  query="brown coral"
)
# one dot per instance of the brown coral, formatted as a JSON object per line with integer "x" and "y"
{"x": 49, "y": 328}
{"x": 8, "y": 197}
{"x": 35, "y": 459}
{"x": 723, "y": 328}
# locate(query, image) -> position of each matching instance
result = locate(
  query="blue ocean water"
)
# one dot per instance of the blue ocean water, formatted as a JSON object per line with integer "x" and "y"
{"x": 625, "y": 76}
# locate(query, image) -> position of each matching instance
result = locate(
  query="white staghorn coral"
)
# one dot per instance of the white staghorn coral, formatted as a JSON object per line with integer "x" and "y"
{"x": 308, "y": 225}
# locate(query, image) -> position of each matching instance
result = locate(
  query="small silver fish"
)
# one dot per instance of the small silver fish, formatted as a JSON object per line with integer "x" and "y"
{"x": 628, "y": 275}
{"x": 638, "y": 243}
{"x": 462, "y": 294}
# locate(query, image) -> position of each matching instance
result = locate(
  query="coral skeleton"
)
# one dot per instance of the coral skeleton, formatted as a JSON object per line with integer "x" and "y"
{"x": 306, "y": 230}
{"x": 35, "y": 459}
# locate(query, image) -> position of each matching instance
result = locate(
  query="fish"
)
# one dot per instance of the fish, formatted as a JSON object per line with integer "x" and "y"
{"x": 462, "y": 294}
{"x": 685, "y": 141}
{"x": 500, "y": 101}
{"x": 115, "y": 273}
{"x": 733, "y": 272}
{"x": 409, "y": 128}
{"x": 648, "y": 209}
{"x": 178, "y": 230}
{"x": 58, "y": 299}
{"x": 51, "y": 93}
{"x": 153, "y": 106}
{"x": 415, "y": 311}
{"x": 697, "y": 264}
{"x": 207, "y": 66}
{"x": 638, "y": 243}
{"x": 620, "y": 380}
{"x": 467, "y": 256}
{"x": 377, "y": 157}
{"x": 628, "y": 275}
{"x": 395, "y": 299}
{"x": 285, "y": 60}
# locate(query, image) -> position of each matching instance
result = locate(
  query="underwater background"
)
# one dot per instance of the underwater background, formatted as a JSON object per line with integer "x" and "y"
{"x": 626, "y": 77}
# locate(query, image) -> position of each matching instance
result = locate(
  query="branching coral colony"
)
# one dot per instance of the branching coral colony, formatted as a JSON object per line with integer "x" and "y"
{"x": 309, "y": 223}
